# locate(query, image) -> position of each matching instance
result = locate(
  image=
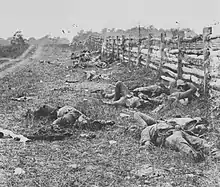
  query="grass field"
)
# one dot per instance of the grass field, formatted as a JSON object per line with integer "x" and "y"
{"x": 97, "y": 162}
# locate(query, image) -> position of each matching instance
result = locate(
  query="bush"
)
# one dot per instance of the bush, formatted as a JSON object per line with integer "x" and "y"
{"x": 12, "y": 51}
{"x": 17, "y": 47}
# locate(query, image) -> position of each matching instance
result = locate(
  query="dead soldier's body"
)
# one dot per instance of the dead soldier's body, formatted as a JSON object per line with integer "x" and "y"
{"x": 179, "y": 91}
{"x": 67, "y": 120}
{"x": 184, "y": 90}
{"x": 123, "y": 97}
{"x": 180, "y": 134}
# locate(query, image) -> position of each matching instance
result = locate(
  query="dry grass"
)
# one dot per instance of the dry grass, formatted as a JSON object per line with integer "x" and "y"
{"x": 12, "y": 51}
{"x": 78, "y": 161}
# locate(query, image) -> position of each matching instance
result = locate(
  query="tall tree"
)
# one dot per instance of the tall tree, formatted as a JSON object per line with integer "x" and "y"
{"x": 18, "y": 39}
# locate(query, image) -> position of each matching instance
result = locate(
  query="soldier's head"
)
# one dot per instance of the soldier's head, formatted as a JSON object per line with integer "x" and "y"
{"x": 180, "y": 83}
{"x": 46, "y": 111}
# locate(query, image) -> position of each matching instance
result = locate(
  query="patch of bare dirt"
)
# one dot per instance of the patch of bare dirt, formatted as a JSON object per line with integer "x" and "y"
{"x": 14, "y": 64}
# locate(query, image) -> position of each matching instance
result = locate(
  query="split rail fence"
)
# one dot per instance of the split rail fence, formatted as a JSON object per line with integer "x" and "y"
{"x": 194, "y": 59}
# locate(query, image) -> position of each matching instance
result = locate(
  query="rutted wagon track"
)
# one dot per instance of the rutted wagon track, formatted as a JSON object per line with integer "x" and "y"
{"x": 13, "y": 64}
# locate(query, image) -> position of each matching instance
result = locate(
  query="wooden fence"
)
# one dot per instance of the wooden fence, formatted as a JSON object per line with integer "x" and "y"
{"x": 194, "y": 59}
{"x": 92, "y": 43}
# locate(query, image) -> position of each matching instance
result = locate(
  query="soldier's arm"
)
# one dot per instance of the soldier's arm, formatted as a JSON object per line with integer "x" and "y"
{"x": 119, "y": 102}
{"x": 147, "y": 134}
{"x": 192, "y": 87}
{"x": 109, "y": 96}
{"x": 188, "y": 93}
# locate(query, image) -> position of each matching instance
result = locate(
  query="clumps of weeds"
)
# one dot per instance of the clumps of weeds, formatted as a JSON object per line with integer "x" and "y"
{"x": 135, "y": 78}
{"x": 96, "y": 110}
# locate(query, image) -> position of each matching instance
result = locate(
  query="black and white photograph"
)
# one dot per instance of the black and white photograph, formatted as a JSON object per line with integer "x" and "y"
{"x": 109, "y": 93}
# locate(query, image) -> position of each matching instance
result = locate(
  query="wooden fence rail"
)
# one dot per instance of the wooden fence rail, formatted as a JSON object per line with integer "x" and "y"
{"x": 191, "y": 59}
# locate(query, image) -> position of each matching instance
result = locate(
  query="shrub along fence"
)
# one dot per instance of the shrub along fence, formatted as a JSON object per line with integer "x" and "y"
{"x": 194, "y": 59}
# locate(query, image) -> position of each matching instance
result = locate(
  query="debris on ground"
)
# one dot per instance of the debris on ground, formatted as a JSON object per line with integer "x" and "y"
{"x": 149, "y": 171}
{"x": 73, "y": 166}
{"x": 9, "y": 134}
{"x": 111, "y": 142}
{"x": 124, "y": 115}
{"x": 19, "y": 171}
{"x": 72, "y": 81}
{"x": 88, "y": 135}
{"x": 22, "y": 99}
{"x": 45, "y": 61}
{"x": 92, "y": 75}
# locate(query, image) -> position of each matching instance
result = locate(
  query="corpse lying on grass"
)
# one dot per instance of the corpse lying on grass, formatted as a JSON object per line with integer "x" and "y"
{"x": 157, "y": 94}
{"x": 180, "y": 134}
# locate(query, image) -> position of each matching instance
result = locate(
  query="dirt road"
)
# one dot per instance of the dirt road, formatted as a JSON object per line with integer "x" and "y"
{"x": 16, "y": 64}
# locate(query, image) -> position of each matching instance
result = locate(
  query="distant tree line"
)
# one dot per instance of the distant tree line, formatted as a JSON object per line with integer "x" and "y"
{"x": 134, "y": 31}
{"x": 18, "y": 45}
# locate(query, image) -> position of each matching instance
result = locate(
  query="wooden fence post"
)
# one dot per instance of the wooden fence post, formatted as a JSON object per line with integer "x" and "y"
{"x": 113, "y": 49}
{"x": 149, "y": 51}
{"x": 139, "y": 43}
{"x": 101, "y": 44}
{"x": 180, "y": 55}
{"x": 97, "y": 44}
{"x": 91, "y": 42}
{"x": 129, "y": 52}
{"x": 162, "y": 47}
{"x": 106, "y": 49}
{"x": 131, "y": 47}
{"x": 123, "y": 47}
{"x": 109, "y": 46}
{"x": 206, "y": 33}
{"x": 117, "y": 42}
{"x": 94, "y": 44}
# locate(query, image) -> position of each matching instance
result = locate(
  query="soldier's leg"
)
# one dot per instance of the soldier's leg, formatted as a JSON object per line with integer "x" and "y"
{"x": 197, "y": 143}
{"x": 149, "y": 134}
{"x": 121, "y": 90}
{"x": 64, "y": 121}
{"x": 117, "y": 94}
{"x": 85, "y": 122}
{"x": 46, "y": 110}
{"x": 143, "y": 119}
{"x": 178, "y": 143}
{"x": 109, "y": 96}
{"x": 190, "y": 98}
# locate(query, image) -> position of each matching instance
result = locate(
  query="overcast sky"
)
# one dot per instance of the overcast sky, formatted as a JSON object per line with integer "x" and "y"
{"x": 40, "y": 17}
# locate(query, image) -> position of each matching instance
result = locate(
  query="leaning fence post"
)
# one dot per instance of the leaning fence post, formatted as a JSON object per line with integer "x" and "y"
{"x": 162, "y": 47}
{"x": 100, "y": 43}
{"x": 113, "y": 48}
{"x": 91, "y": 48}
{"x": 102, "y": 48}
{"x": 149, "y": 51}
{"x": 129, "y": 52}
{"x": 139, "y": 42}
{"x": 206, "y": 33}
{"x": 180, "y": 55}
{"x": 123, "y": 47}
{"x": 94, "y": 44}
{"x": 106, "y": 49}
{"x": 117, "y": 43}
{"x": 109, "y": 46}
